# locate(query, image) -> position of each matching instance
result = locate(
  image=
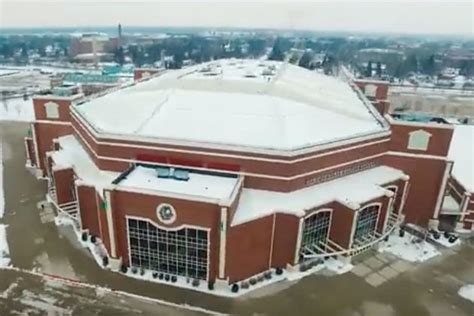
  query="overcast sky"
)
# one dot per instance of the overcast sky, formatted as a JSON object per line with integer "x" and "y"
{"x": 397, "y": 16}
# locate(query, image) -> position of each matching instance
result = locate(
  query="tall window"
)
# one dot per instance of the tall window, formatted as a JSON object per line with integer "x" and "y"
{"x": 182, "y": 252}
{"x": 366, "y": 224}
{"x": 394, "y": 189}
{"x": 315, "y": 232}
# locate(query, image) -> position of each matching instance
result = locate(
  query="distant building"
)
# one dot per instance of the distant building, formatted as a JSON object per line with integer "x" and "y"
{"x": 92, "y": 47}
{"x": 224, "y": 172}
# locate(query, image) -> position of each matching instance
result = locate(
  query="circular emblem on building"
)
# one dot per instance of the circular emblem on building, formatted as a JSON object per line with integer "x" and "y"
{"x": 166, "y": 213}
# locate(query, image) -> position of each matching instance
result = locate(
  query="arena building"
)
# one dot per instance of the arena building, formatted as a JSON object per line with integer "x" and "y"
{"x": 223, "y": 171}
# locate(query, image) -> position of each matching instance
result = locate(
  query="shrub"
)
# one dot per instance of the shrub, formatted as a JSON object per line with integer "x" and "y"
{"x": 452, "y": 239}
{"x": 386, "y": 238}
{"x": 279, "y": 271}
{"x": 160, "y": 276}
{"x": 447, "y": 234}
{"x": 303, "y": 267}
{"x": 401, "y": 232}
{"x": 93, "y": 239}
{"x": 260, "y": 278}
{"x": 253, "y": 281}
{"x": 154, "y": 275}
{"x": 142, "y": 271}
{"x": 134, "y": 270}
{"x": 105, "y": 261}
{"x": 268, "y": 275}
{"x": 124, "y": 268}
{"x": 210, "y": 285}
{"x": 436, "y": 235}
{"x": 244, "y": 285}
{"x": 174, "y": 278}
{"x": 84, "y": 236}
{"x": 235, "y": 288}
{"x": 167, "y": 277}
{"x": 195, "y": 282}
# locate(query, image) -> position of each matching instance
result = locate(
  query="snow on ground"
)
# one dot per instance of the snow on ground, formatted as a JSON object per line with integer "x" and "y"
{"x": 7, "y": 72}
{"x": 4, "y": 251}
{"x": 409, "y": 248}
{"x": 467, "y": 292}
{"x": 337, "y": 266}
{"x": 44, "y": 303}
{"x": 2, "y": 198}
{"x": 97, "y": 249}
{"x": 98, "y": 252}
{"x": 16, "y": 109}
{"x": 445, "y": 242}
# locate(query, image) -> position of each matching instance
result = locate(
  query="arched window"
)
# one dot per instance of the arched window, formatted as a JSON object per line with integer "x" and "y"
{"x": 366, "y": 224}
{"x": 52, "y": 110}
{"x": 315, "y": 232}
{"x": 418, "y": 140}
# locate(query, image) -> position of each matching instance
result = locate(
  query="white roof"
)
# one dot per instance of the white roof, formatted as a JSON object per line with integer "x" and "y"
{"x": 461, "y": 151}
{"x": 214, "y": 187}
{"x": 350, "y": 190}
{"x": 248, "y": 103}
{"x": 73, "y": 155}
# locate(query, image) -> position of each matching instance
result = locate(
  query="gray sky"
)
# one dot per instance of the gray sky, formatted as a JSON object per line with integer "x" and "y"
{"x": 399, "y": 16}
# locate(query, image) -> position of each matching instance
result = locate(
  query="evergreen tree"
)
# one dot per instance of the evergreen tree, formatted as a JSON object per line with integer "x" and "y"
{"x": 305, "y": 60}
{"x": 277, "y": 52}
{"x": 119, "y": 56}
{"x": 368, "y": 71}
{"x": 429, "y": 66}
{"x": 379, "y": 69}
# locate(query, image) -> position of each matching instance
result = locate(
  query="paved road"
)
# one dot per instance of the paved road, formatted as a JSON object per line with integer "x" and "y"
{"x": 37, "y": 244}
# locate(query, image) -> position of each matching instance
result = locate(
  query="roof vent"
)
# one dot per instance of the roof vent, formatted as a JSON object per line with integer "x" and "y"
{"x": 163, "y": 172}
{"x": 181, "y": 174}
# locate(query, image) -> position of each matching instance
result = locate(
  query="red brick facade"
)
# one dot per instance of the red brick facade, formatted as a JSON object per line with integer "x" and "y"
{"x": 271, "y": 241}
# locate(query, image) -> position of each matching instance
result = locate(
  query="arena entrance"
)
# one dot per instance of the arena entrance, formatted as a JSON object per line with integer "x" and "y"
{"x": 366, "y": 225}
{"x": 183, "y": 252}
{"x": 315, "y": 233}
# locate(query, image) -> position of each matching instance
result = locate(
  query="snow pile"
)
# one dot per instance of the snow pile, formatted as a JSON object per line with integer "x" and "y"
{"x": 96, "y": 249}
{"x": 4, "y": 251}
{"x": 338, "y": 266}
{"x": 409, "y": 248}
{"x": 467, "y": 292}
{"x": 2, "y": 200}
{"x": 297, "y": 275}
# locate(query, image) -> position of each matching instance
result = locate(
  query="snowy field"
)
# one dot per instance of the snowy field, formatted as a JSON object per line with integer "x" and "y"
{"x": 6, "y": 72}
{"x": 4, "y": 251}
{"x": 408, "y": 247}
{"x": 16, "y": 109}
{"x": 467, "y": 292}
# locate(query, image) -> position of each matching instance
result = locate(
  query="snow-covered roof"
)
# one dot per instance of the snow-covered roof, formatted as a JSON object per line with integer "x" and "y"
{"x": 351, "y": 190}
{"x": 72, "y": 155}
{"x": 248, "y": 103}
{"x": 461, "y": 151}
{"x": 215, "y": 187}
